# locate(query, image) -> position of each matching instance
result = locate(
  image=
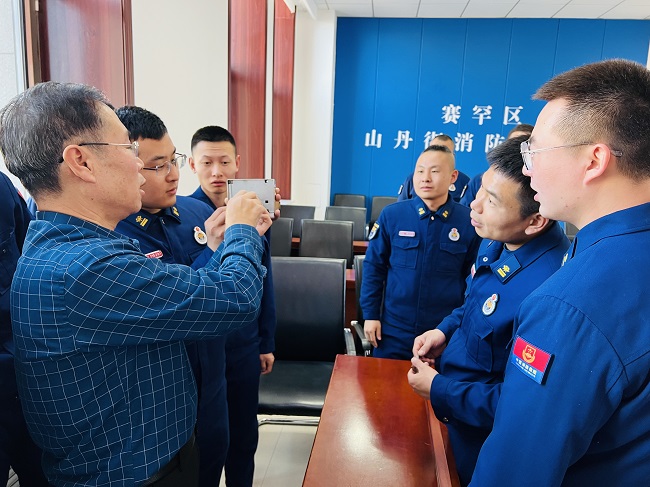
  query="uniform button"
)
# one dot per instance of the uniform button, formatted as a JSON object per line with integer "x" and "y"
{"x": 433, "y": 218}
{"x": 445, "y": 420}
{"x": 485, "y": 259}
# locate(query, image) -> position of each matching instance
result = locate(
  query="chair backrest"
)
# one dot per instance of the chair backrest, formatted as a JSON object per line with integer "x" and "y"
{"x": 327, "y": 239}
{"x": 342, "y": 199}
{"x": 310, "y": 308}
{"x": 298, "y": 213}
{"x": 378, "y": 204}
{"x": 350, "y": 214}
{"x": 358, "y": 276}
{"x": 281, "y": 232}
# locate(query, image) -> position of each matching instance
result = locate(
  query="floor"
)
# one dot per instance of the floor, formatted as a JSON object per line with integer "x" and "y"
{"x": 281, "y": 458}
{"x": 282, "y": 455}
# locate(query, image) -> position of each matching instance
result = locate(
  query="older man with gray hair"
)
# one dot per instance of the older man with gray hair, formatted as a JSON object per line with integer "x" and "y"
{"x": 107, "y": 389}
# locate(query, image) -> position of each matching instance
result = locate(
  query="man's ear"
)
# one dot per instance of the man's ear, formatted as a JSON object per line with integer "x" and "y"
{"x": 190, "y": 161}
{"x": 601, "y": 157}
{"x": 237, "y": 160}
{"x": 76, "y": 160}
{"x": 536, "y": 224}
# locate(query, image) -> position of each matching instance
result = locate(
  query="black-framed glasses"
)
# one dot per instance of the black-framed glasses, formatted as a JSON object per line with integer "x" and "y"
{"x": 527, "y": 153}
{"x": 134, "y": 146}
{"x": 166, "y": 167}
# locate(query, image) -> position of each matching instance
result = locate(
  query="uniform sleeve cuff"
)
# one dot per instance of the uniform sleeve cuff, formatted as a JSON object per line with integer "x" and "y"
{"x": 438, "y": 397}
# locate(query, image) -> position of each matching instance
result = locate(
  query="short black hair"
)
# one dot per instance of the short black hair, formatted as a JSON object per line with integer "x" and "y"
{"x": 522, "y": 127}
{"x": 438, "y": 148}
{"x": 212, "y": 133}
{"x": 141, "y": 123}
{"x": 444, "y": 137}
{"x": 506, "y": 160}
{"x": 609, "y": 102}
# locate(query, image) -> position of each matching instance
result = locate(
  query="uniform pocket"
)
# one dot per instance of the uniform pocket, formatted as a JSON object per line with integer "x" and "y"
{"x": 451, "y": 257}
{"x": 404, "y": 252}
{"x": 479, "y": 344}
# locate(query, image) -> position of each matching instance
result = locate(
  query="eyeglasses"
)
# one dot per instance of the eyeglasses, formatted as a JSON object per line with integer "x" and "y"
{"x": 134, "y": 146}
{"x": 178, "y": 161}
{"x": 527, "y": 153}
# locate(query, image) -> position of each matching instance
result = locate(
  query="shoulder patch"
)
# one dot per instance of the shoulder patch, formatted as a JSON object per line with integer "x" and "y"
{"x": 373, "y": 232}
{"x": 531, "y": 360}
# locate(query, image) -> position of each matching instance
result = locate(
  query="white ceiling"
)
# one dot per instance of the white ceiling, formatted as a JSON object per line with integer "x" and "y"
{"x": 556, "y": 9}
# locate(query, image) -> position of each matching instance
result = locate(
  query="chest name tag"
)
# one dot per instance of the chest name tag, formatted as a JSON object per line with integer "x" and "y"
{"x": 406, "y": 233}
{"x": 156, "y": 254}
{"x": 532, "y": 361}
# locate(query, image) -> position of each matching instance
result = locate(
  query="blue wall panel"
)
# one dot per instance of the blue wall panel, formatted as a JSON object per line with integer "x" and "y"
{"x": 402, "y": 79}
{"x": 399, "y": 57}
{"x": 354, "y": 104}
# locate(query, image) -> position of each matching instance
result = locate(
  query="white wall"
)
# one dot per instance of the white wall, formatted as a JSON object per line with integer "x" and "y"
{"x": 12, "y": 70}
{"x": 180, "y": 67}
{"x": 180, "y": 59}
{"x": 313, "y": 109}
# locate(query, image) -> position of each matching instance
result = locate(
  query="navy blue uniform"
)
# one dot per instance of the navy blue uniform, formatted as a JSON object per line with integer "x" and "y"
{"x": 16, "y": 447}
{"x": 457, "y": 189}
{"x": 421, "y": 259}
{"x": 472, "y": 189}
{"x": 575, "y": 404}
{"x": 172, "y": 236}
{"x": 466, "y": 392}
{"x": 243, "y": 368}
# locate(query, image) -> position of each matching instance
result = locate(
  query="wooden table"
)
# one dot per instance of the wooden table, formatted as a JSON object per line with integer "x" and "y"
{"x": 375, "y": 431}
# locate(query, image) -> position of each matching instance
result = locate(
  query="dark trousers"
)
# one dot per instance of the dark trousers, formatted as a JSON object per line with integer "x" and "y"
{"x": 395, "y": 343}
{"x": 17, "y": 448}
{"x": 466, "y": 442}
{"x": 181, "y": 471}
{"x": 208, "y": 359}
{"x": 243, "y": 378}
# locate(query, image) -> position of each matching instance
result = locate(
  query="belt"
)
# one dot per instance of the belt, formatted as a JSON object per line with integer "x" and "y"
{"x": 173, "y": 464}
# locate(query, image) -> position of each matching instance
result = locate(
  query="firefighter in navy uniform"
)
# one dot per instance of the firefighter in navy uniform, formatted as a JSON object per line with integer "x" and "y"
{"x": 16, "y": 447}
{"x": 172, "y": 229}
{"x": 520, "y": 250}
{"x": 419, "y": 254}
{"x": 249, "y": 351}
{"x": 457, "y": 188}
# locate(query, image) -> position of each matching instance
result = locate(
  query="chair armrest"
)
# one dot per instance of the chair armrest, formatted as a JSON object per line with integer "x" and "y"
{"x": 365, "y": 344}
{"x": 350, "y": 349}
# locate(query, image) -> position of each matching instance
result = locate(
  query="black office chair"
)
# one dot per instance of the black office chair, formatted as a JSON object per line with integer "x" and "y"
{"x": 298, "y": 213}
{"x": 327, "y": 239}
{"x": 360, "y": 342}
{"x": 351, "y": 214}
{"x": 281, "y": 232}
{"x": 342, "y": 199}
{"x": 378, "y": 204}
{"x": 310, "y": 312}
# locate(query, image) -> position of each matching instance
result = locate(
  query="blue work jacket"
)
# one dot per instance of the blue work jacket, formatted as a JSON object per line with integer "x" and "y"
{"x": 575, "y": 403}
{"x": 466, "y": 392}
{"x": 263, "y": 329}
{"x": 14, "y": 219}
{"x": 421, "y": 258}
{"x": 473, "y": 186}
